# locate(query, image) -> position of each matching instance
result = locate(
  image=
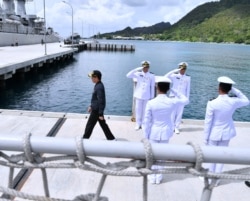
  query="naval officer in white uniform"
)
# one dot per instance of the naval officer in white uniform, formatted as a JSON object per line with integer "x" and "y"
{"x": 181, "y": 83}
{"x": 144, "y": 90}
{"x": 219, "y": 126}
{"x": 157, "y": 124}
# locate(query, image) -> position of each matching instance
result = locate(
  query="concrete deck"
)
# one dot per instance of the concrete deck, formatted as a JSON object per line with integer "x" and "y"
{"x": 69, "y": 183}
{"x": 26, "y": 57}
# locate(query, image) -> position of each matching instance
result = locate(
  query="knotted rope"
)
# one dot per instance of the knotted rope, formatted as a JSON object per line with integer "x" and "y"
{"x": 31, "y": 160}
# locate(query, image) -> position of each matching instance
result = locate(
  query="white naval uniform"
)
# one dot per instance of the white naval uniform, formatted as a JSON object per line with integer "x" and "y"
{"x": 219, "y": 126}
{"x": 144, "y": 91}
{"x": 157, "y": 124}
{"x": 180, "y": 83}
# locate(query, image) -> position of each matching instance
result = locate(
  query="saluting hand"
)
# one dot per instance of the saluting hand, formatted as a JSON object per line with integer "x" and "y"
{"x": 177, "y": 70}
{"x": 139, "y": 68}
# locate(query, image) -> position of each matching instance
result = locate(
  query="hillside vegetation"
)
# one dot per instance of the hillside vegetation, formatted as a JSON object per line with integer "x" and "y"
{"x": 220, "y": 21}
{"x": 225, "y": 23}
{"x": 140, "y": 31}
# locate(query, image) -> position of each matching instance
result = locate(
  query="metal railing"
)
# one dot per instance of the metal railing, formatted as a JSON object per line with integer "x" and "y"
{"x": 177, "y": 159}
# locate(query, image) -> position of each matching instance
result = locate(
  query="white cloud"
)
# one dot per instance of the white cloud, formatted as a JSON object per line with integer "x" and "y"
{"x": 133, "y": 3}
{"x": 92, "y": 16}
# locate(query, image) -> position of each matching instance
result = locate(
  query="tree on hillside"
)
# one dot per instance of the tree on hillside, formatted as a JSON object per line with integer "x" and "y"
{"x": 230, "y": 3}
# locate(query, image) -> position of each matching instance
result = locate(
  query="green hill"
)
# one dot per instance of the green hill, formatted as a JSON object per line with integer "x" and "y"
{"x": 224, "y": 21}
{"x": 139, "y": 31}
{"x": 220, "y": 21}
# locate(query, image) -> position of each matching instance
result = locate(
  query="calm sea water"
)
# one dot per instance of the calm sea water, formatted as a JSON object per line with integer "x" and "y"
{"x": 67, "y": 88}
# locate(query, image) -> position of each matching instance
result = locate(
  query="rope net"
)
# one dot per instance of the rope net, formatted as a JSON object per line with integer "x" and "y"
{"x": 130, "y": 168}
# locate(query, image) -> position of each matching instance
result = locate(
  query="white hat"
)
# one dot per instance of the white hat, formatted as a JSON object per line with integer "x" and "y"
{"x": 183, "y": 65}
{"x": 226, "y": 80}
{"x": 145, "y": 63}
{"x": 162, "y": 79}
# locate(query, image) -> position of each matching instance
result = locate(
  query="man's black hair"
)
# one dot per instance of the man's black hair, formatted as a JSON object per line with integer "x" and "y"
{"x": 224, "y": 87}
{"x": 163, "y": 86}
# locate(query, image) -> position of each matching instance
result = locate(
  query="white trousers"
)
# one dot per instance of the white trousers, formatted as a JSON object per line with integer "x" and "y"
{"x": 177, "y": 116}
{"x": 217, "y": 167}
{"x": 156, "y": 177}
{"x": 140, "y": 106}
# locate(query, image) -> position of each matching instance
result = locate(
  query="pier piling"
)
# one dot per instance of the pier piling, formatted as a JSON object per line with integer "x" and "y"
{"x": 110, "y": 47}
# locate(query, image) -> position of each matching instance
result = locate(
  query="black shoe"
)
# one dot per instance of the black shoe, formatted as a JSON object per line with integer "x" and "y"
{"x": 247, "y": 183}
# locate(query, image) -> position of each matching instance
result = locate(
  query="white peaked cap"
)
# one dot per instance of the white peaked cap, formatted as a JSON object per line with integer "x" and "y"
{"x": 226, "y": 80}
{"x": 183, "y": 64}
{"x": 162, "y": 79}
{"x": 145, "y": 63}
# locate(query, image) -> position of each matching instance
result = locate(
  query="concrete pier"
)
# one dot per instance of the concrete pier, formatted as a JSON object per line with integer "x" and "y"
{"x": 22, "y": 59}
{"x": 68, "y": 183}
{"x": 18, "y": 60}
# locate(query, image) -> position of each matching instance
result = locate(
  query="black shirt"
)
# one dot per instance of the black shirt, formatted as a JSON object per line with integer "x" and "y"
{"x": 98, "y": 100}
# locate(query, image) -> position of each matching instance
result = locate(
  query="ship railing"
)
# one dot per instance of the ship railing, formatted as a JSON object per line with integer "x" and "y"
{"x": 36, "y": 152}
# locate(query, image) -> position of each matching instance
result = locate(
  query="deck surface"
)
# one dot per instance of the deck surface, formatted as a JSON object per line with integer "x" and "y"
{"x": 19, "y": 54}
{"x": 69, "y": 183}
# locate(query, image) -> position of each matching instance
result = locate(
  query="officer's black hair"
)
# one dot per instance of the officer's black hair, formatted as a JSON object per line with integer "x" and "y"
{"x": 163, "y": 86}
{"x": 224, "y": 87}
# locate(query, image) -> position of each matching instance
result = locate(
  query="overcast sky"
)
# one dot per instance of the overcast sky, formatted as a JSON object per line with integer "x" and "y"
{"x": 93, "y": 16}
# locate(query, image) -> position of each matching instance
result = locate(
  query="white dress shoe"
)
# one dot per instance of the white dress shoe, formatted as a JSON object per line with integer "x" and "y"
{"x": 137, "y": 128}
{"x": 176, "y": 131}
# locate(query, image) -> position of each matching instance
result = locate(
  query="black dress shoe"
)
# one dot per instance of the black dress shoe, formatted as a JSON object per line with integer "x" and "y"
{"x": 247, "y": 183}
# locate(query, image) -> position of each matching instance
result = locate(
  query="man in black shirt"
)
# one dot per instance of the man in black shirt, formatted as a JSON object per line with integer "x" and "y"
{"x": 96, "y": 109}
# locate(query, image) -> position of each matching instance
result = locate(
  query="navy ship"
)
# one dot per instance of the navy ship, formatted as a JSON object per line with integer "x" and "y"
{"x": 19, "y": 28}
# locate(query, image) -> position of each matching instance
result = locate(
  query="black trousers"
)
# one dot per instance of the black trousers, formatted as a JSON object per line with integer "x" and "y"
{"x": 93, "y": 118}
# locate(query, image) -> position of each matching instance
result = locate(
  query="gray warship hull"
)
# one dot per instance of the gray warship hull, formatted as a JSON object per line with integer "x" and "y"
{"x": 15, "y": 39}
{"x": 19, "y": 28}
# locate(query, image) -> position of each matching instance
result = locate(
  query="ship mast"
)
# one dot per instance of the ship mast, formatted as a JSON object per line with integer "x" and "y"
{"x": 9, "y": 7}
{"x": 21, "y": 10}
